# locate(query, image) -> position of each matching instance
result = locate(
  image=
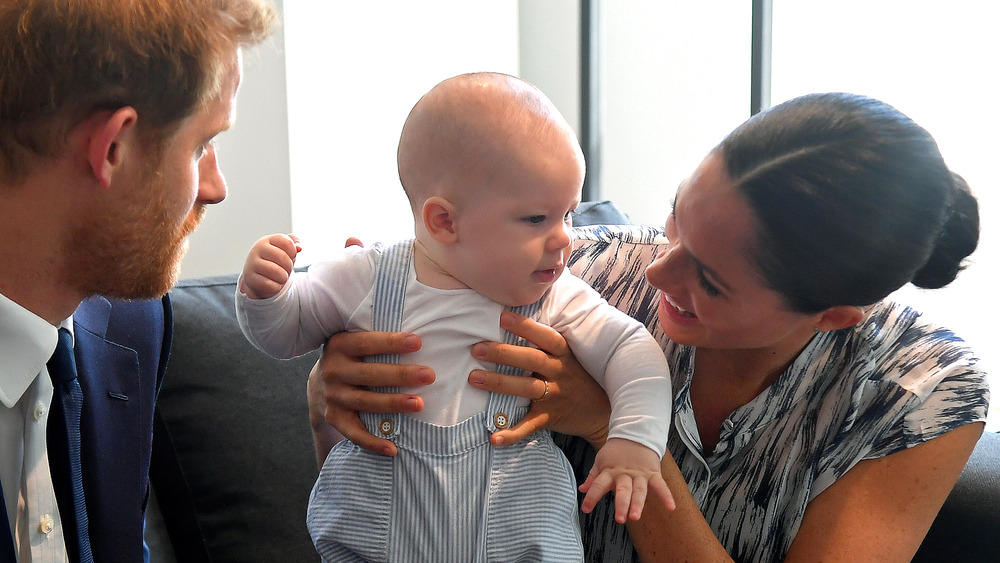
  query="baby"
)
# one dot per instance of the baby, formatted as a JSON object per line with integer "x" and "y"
{"x": 493, "y": 173}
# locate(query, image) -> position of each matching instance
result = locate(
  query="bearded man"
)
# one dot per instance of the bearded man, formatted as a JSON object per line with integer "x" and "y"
{"x": 108, "y": 109}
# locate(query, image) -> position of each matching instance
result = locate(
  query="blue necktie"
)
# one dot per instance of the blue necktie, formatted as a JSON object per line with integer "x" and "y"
{"x": 67, "y": 403}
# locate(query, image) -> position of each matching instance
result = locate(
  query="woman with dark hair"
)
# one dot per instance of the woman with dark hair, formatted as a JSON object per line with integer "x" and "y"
{"x": 814, "y": 418}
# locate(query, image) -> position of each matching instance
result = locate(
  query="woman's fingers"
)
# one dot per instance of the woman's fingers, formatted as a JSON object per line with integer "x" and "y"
{"x": 346, "y": 379}
{"x": 516, "y": 385}
{"x": 531, "y": 423}
{"x": 342, "y": 362}
{"x": 545, "y": 337}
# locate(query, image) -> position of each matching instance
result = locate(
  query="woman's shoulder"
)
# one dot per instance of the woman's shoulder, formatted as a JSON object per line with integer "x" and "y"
{"x": 938, "y": 374}
{"x": 617, "y": 234}
{"x": 614, "y": 254}
{"x": 612, "y": 260}
{"x": 900, "y": 337}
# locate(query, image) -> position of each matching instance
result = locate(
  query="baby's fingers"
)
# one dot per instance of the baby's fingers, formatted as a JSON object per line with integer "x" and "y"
{"x": 630, "y": 497}
{"x": 660, "y": 489}
{"x": 596, "y": 486}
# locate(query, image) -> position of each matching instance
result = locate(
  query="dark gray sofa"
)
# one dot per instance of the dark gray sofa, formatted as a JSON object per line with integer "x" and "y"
{"x": 233, "y": 459}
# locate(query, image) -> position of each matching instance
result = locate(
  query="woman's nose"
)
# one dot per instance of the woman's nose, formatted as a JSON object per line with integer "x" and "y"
{"x": 666, "y": 268}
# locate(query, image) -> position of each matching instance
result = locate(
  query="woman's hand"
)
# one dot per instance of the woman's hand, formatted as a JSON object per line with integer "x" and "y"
{"x": 574, "y": 403}
{"x": 339, "y": 380}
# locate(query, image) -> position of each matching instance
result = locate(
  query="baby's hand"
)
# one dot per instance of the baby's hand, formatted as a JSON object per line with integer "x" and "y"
{"x": 629, "y": 469}
{"x": 269, "y": 265}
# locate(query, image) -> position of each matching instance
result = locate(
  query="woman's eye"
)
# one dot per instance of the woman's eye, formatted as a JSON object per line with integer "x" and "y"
{"x": 669, "y": 227}
{"x": 707, "y": 286}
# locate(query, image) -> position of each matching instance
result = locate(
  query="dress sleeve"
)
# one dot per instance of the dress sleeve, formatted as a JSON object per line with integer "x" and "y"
{"x": 946, "y": 387}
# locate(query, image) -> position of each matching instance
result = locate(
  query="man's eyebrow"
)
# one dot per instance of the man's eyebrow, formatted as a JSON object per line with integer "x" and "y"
{"x": 219, "y": 129}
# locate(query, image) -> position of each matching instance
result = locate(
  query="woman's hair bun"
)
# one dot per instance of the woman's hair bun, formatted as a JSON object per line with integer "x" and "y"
{"x": 958, "y": 238}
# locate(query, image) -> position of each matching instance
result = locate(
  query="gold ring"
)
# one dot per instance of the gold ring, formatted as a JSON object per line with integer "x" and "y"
{"x": 544, "y": 393}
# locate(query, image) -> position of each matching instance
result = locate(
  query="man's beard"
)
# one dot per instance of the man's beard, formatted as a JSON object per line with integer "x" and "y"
{"x": 133, "y": 252}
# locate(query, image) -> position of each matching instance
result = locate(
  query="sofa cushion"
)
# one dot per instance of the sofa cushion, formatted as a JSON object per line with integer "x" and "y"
{"x": 967, "y": 528}
{"x": 233, "y": 457}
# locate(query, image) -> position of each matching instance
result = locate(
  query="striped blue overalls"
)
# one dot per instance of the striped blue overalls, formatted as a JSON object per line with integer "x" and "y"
{"x": 448, "y": 495}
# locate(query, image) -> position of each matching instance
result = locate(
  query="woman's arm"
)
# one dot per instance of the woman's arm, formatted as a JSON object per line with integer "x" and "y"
{"x": 881, "y": 509}
{"x": 324, "y": 435}
{"x": 681, "y": 534}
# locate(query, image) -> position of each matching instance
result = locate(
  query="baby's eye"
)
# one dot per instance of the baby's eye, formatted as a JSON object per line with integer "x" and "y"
{"x": 534, "y": 219}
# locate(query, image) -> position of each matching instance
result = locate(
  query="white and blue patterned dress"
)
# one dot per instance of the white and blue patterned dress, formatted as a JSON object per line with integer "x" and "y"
{"x": 891, "y": 382}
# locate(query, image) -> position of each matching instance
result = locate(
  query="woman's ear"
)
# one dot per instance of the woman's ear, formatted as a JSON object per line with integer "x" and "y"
{"x": 438, "y": 216}
{"x": 841, "y": 316}
{"x": 109, "y": 143}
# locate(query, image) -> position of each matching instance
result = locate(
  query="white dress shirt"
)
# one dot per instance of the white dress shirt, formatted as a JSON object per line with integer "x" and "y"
{"x": 26, "y": 343}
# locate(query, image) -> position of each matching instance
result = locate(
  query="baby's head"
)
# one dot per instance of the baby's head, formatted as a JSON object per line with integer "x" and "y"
{"x": 492, "y": 171}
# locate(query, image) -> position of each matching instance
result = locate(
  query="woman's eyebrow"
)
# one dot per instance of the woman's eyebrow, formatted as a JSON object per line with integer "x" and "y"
{"x": 701, "y": 265}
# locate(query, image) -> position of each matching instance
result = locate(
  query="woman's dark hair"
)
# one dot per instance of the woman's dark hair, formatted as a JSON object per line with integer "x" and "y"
{"x": 852, "y": 200}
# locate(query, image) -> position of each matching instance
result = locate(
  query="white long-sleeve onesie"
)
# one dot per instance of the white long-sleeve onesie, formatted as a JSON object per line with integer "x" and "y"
{"x": 336, "y": 295}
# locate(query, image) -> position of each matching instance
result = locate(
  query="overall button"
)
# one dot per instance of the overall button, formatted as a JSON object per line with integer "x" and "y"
{"x": 385, "y": 427}
{"x": 500, "y": 420}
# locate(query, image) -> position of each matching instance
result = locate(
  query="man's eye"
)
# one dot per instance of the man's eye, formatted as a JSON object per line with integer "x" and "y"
{"x": 203, "y": 149}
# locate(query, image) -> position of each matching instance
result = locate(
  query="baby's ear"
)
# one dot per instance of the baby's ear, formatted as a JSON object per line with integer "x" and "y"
{"x": 438, "y": 216}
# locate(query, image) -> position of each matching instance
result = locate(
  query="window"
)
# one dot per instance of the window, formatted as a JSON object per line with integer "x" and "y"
{"x": 677, "y": 79}
{"x": 935, "y": 62}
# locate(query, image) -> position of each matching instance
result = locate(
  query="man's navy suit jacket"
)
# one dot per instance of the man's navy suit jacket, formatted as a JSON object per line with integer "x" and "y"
{"x": 121, "y": 352}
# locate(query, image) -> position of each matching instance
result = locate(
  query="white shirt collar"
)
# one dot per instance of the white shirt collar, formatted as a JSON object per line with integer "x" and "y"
{"x": 26, "y": 344}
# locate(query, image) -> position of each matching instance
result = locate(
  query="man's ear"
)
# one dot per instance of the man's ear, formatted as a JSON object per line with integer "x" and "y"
{"x": 841, "y": 316}
{"x": 438, "y": 216}
{"x": 111, "y": 139}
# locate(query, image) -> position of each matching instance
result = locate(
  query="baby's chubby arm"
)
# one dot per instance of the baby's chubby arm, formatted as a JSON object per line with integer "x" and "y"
{"x": 269, "y": 265}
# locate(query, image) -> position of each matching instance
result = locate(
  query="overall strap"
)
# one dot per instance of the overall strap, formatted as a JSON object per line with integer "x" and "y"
{"x": 502, "y": 411}
{"x": 392, "y": 269}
